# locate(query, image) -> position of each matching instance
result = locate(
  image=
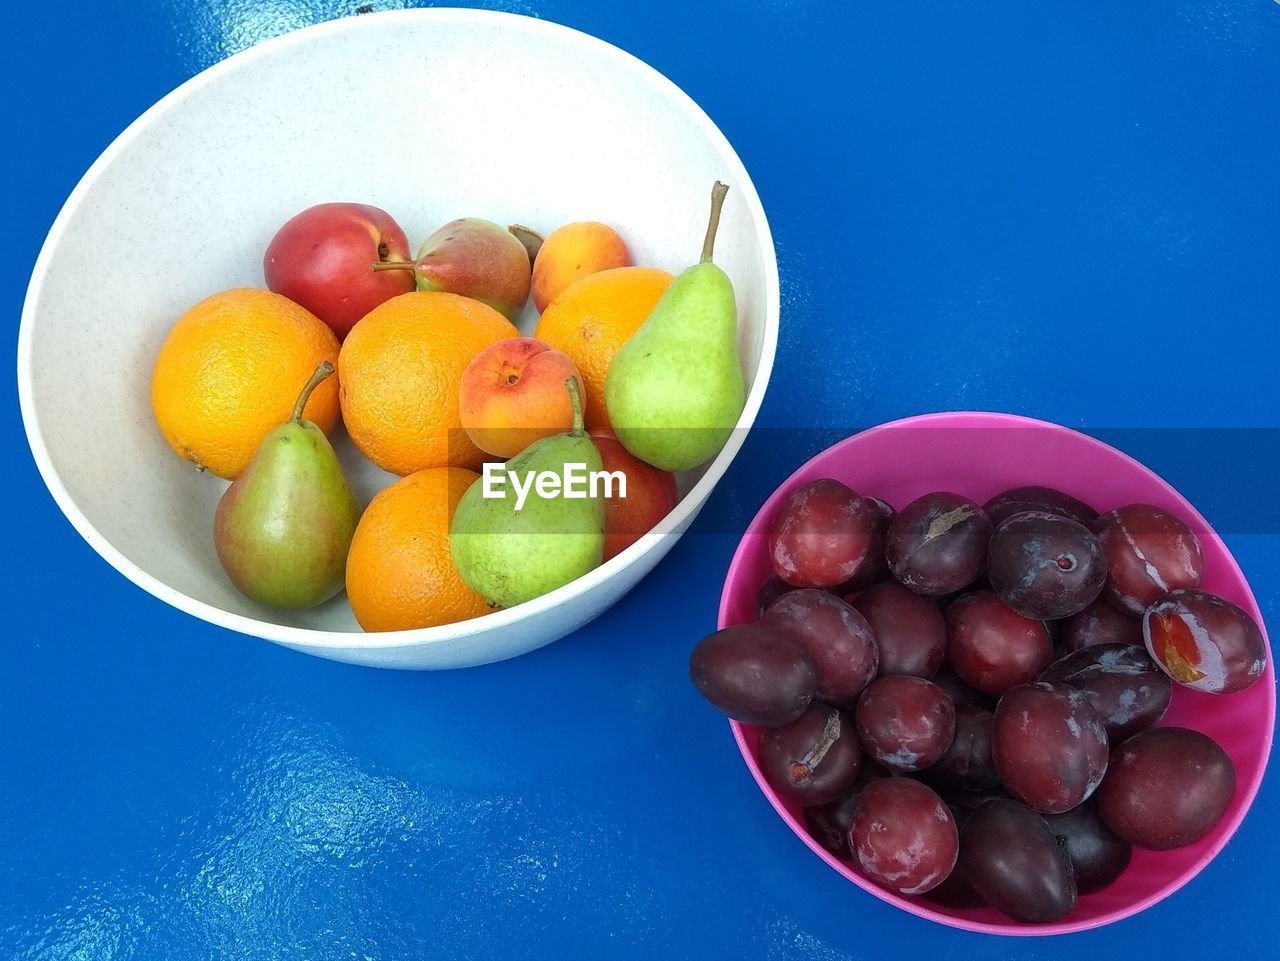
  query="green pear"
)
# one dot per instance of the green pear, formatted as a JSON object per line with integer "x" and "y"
{"x": 513, "y": 547}
{"x": 675, "y": 389}
{"x": 475, "y": 258}
{"x": 283, "y": 527}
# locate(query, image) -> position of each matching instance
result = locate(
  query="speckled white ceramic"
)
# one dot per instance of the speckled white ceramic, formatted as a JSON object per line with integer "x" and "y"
{"x": 431, "y": 114}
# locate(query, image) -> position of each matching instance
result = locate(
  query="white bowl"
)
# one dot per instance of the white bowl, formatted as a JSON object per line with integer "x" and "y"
{"x": 431, "y": 114}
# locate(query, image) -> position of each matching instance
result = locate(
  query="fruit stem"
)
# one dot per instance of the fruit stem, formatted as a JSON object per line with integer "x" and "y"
{"x": 321, "y": 373}
{"x": 717, "y": 201}
{"x": 531, "y": 239}
{"x": 579, "y": 428}
{"x": 802, "y": 768}
{"x": 393, "y": 265}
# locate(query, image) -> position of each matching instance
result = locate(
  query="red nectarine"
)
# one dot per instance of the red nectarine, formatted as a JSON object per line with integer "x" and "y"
{"x": 651, "y": 494}
{"x": 320, "y": 259}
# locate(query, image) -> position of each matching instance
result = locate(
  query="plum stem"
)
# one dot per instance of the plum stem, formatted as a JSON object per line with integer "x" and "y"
{"x": 717, "y": 202}
{"x": 804, "y": 767}
{"x": 321, "y": 373}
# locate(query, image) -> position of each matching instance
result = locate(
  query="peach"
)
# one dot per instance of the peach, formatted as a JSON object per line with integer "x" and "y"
{"x": 571, "y": 253}
{"x": 514, "y": 393}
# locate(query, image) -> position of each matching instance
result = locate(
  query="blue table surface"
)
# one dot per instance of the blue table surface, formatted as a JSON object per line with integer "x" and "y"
{"x": 1067, "y": 210}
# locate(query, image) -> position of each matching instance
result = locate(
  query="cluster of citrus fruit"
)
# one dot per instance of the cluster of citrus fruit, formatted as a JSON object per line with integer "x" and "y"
{"x": 432, "y": 378}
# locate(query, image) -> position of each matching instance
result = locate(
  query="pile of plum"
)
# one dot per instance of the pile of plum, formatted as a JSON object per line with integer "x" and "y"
{"x": 962, "y": 697}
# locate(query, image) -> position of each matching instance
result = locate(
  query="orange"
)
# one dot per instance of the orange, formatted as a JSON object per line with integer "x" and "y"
{"x": 594, "y": 317}
{"x": 230, "y": 372}
{"x": 401, "y": 366}
{"x": 400, "y": 575}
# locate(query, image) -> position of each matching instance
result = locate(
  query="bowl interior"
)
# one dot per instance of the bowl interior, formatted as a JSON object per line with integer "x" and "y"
{"x": 980, "y": 455}
{"x": 431, "y": 115}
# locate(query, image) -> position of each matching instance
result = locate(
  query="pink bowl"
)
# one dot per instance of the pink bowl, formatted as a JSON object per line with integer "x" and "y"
{"x": 980, "y": 455}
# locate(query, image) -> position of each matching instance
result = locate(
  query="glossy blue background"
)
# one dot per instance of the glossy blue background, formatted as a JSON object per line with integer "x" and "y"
{"x": 1061, "y": 209}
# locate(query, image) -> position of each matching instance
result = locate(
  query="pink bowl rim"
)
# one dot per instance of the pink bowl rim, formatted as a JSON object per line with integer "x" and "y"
{"x": 987, "y": 419}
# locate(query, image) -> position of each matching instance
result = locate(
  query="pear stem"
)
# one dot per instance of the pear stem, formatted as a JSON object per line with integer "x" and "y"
{"x": 321, "y": 373}
{"x": 575, "y": 399}
{"x": 717, "y": 202}
{"x": 530, "y": 238}
{"x": 393, "y": 265}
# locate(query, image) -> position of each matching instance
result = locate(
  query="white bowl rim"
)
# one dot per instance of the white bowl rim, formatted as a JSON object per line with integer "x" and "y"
{"x": 421, "y": 637}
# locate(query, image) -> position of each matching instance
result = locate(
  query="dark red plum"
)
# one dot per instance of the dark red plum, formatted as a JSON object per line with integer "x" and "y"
{"x": 967, "y": 764}
{"x": 837, "y": 637}
{"x": 909, "y": 631}
{"x": 1055, "y": 636}
{"x": 957, "y": 891}
{"x": 959, "y": 691}
{"x": 1166, "y": 787}
{"x": 992, "y": 647}
{"x": 1126, "y": 688}
{"x": 1097, "y": 854}
{"x": 1149, "y": 553}
{"x": 906, "y": 723}
{"x": 1204, "y": 642}
{"x": 820, "y": 535}
{"x": 1045, "y": 499}
{"x": 874, "y": 568}
{"x": 1049, "y": 746}
{"x": 944, "y": 601}
{"x": 770, "y": 591}
{"x": 1045, "y": 566}
{"x": 1100, "y": 623}
{"x": 938, "y": 543}
{"x": 1013, "y": 860}
{"x": 903, "y": 836}
{"x": 814, "y": 759}
{"x": 754, "y": 674}
{"x": 964, "y": 803}
{"x": 829, "y": 824}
